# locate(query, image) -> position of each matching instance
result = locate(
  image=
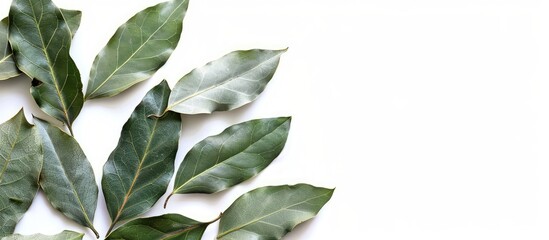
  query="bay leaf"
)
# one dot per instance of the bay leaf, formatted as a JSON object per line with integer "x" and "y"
{"x": 20, "y": 165}
{"x": 65, "y": 235}
{"x": 165, "y": 227}
{"x": 67, "y": 177}
{"x": 269, "y": 213}
{"x": 237, "y": 154}
{"x": 41, "y": 39}
{"x": 8, "y": 69}
{"x": 230, "y": 82}
{"x": 138, "y": 171}
{"x": 138, "y": 49}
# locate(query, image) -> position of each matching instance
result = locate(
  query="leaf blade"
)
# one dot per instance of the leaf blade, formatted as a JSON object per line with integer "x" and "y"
{"x": 67, "y": 177}
{"x": 8, "y": 69}
{"x": 271, "y": 212}
{"x": 65, "y": 235}
{"x": 166, "y": 227}
{"x": 20, "y": 164}
{"x": 118, "y": 67}
{"x": 56, "y": 87}
{"x": 230, "y": 82}
{"x": 73, "y": 18}
{"x": 237, "y": 154}
{"x": 138, "y": 171}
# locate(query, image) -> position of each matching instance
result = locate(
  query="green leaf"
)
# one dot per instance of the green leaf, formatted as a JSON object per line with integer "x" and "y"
{"x": 20, "y": 164}
{"x": 237, "y": 154}
{"x": 41, "y": 40}
{"x": 67, "y": 177}
{"x": 8, "y": 69}
{"x": 65, "y": 235}
{"x": 225, "y": 84}
{"x": 269, "y": 213}
{"x": 138, "y": 171}
{"x": 165, "y": 227}
{"x": 72, "y": 17}
{"x": 138, "y": 49}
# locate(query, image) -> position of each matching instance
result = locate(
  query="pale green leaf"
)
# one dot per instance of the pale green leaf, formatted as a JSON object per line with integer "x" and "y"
{"x": 41, "y": 40}
{"x": 67, "y": 177}
{"x": 237, "y": 154}
{"x": 225, "y": 84}
{"x": 20, "y": 164}
{"x": 269, "y": 213}
{"x": 137, "y": 50}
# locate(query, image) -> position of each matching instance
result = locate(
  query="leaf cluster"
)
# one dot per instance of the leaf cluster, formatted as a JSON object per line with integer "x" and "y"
{"x": 35, "y": 40}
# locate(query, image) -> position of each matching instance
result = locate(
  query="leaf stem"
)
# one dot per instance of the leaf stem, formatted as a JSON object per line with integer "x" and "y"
{"x": 167, "y": 199}
{"x": 69, "y": 126}
{"x": 94, "y": 231}
{"x": 111, "y": 228}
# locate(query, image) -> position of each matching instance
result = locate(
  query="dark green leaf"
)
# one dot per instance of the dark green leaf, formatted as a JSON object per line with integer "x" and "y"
{"x": 67, "y": 177}
{"x": 225, "y": 84}
{"x": 72, "y": 17}
{"x": 41, "y": 40}
{"x": 269, "y": 213}
{"x": 138, "y": 171}
{"x": 138, "y": 49}
{"x": 165, "y": 227}
{"x": 237, "y": 154}
{"x": 8, "y": 69}
{"x": 20, "y": 164}
{"x": 65, "y": 235}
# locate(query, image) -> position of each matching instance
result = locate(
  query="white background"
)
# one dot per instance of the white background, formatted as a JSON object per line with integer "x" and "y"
{"x": 431, "y": 117}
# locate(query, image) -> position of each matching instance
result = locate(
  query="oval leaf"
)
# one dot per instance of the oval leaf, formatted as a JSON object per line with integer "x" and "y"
{"x": 65, "y": 235}
{"x": 165, "y": 227}
{"x": 237, "y": 154}
{"x": 72, "y": 17}
{"x": 270, "y": 212}
{"x": 41, "y": 40}
{"x": 67, "y": 177}
{"x": 138, "y": 49}
{"x": 225, "y": 84}
{"x": 8, "y": 69}
{"x": 20, "y": 164}
{"x": 138, "y": 171}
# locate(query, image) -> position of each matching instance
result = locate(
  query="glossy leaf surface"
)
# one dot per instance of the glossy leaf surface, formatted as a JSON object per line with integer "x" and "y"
{"x": 67, "y": 177}
{"x": 165, "y": 227}
{"x": 8, "y": 69}
{"x": 65, "y": 235}
{"x": 41, "y": 40}
{"x": 225, "y": 84}
{"x": 138, "y": 171}
{"x": 138, "y": 49}
{"x": 237, "y": 154}
{"x": 269, "y": 213}
{"x": 20, "y": 164}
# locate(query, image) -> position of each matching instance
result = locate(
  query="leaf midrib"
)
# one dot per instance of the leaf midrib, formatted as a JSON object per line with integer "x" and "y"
{"x": 5, "y": 58}
{"x": 139, "y": 168}
{"x": 138, "y": 49}
{"x": 226, "y": 159}
{"x": 170, "y": 107}
{"x": 51, "y": 72}
{"x": 220, "y": 235}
